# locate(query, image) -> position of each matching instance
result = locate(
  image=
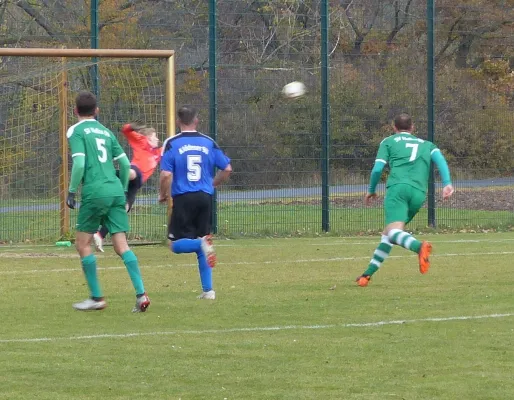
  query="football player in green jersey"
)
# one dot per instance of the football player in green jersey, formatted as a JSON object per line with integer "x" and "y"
{"x": 93, "y": 150}
{"x": 409, "y": 161}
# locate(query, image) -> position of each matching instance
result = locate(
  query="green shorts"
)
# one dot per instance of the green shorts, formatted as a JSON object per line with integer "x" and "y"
{"x": 402, "y": 202}
{"x": 106, "y": 211}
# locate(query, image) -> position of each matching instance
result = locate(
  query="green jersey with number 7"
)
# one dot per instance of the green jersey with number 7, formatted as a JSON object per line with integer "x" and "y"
{"x": 99, "y": 146}
{"x": 409, "y": 159}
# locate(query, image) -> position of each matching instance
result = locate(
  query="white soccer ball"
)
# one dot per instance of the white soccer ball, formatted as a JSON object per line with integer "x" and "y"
{"x": 294, "y": 89}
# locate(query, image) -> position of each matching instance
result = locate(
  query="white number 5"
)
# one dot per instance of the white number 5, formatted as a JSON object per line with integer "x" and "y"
{"x": 194, "y": 169}
{"x": 414, "y": 147}
{"x": 100, "y": 144}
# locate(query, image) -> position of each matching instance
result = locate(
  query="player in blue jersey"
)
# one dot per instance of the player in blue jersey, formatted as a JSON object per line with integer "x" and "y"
{"x": 188, "y": 162}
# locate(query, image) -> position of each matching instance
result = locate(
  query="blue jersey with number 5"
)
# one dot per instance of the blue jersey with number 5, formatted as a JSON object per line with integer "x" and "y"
{"x": 192, "y": 158}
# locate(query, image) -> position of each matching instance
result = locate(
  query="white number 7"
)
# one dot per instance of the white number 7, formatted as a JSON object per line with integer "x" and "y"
{"x": 414, "y": 147}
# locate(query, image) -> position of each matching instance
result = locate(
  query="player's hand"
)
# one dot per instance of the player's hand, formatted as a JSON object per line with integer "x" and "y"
{"x": 447, "y": 191}
{"x": 369, "y": 197}
{"x": 163, "y": 199}
{"x": 70, "y": 200}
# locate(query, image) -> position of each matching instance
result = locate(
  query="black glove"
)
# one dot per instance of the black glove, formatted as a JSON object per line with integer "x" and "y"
{"x": 70, "y": 200}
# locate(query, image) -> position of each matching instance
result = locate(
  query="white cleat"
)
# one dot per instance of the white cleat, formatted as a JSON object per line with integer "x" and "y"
{"x": 208, "y": 250}
{"x": 99, "y": 242}
{"x": 142, "y": 304}
{"x": 90, "y": 305}
{"x": 210, "y": 295}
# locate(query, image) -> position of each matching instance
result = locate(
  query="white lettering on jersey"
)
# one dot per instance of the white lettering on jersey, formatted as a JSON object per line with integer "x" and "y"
{"x": 189, "y": 147}
{"x": 411, "y": 139}
{"x": 87, "y": 131}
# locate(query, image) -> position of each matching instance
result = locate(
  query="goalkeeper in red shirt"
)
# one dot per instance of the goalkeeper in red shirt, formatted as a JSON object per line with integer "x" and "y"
{"x": 145, "y": 157}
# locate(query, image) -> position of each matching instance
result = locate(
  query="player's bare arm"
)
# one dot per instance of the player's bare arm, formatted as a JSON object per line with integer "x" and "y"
{"x": 222, "y": 176}
{"x": 164, "y": 185}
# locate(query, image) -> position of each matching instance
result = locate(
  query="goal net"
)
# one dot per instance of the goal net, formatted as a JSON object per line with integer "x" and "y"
{"x": 36, "y": 108}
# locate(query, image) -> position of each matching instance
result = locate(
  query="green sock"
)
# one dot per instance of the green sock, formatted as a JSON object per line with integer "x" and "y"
{"x": 379, "y": 256}
{"x": 130, "y": 260}
{"x": 404, "y": 239}
{"x": 89, "y": 268}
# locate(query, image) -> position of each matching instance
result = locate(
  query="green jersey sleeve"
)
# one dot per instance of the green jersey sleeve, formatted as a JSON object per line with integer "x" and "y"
{"x": 78, "y": 154}
{"x": 383, "y": 152}
{"x": 117, "y": 150}
{"x": 76, "y": 142}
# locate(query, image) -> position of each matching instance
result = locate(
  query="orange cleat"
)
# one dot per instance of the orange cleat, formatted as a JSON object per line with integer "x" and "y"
{"x": 363, "y": 280}
{"x": 424, "y": 254}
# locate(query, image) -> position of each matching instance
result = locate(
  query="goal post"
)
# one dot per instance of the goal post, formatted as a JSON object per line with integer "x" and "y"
{"x": 38, "y": 99}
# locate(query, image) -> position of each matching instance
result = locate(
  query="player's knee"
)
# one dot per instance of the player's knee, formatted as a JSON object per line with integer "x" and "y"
{"x": 119, "y": 243}
{"x": 83, "y": 246}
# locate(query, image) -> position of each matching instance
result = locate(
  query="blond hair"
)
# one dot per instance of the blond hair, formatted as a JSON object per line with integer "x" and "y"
{"x": 147, "y": 131}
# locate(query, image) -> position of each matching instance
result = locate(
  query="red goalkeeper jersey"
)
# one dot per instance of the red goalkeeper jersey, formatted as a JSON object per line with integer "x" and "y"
{"x": 144, "y": 156}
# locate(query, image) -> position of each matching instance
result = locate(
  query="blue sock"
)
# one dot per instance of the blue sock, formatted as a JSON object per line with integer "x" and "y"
{"x": 89, "y": 268}
{"x": 186, "y": 246}
{"x": 205, "y": 271}
{"x": 130, "y": 260}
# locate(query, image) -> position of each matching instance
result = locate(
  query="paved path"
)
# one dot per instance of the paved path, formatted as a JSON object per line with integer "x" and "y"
{"x": 270, "y": 194}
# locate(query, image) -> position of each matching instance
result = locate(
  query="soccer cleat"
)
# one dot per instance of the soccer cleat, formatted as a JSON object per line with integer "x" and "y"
{"x": 210, "y": 295}
{"x": 208, "y": 250}
{"x": 142, "y": 303}
{"x": 90, "y": 305}
{"x": 424, "y": 254}
{"x": 363, "y": 280}
{"x": 99, "y": 242}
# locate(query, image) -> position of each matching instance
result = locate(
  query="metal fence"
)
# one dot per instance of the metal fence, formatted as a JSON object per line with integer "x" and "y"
{"x": 301, "y": 166}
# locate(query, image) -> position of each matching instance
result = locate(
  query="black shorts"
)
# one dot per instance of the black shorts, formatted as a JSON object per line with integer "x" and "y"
{"x": 191, "y": 216}
{"x": 133, "y": 187}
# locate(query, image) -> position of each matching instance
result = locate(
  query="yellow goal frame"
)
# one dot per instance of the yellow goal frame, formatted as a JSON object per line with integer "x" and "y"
{"x": 168, "y": 55}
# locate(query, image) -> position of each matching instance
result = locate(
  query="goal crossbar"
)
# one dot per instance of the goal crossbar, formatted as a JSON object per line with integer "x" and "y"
{"x": 114, "y": 53}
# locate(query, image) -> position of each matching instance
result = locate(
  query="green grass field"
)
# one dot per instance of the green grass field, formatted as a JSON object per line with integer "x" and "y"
{"x": 289, "y": 323}
{"x": 247, "y": 219}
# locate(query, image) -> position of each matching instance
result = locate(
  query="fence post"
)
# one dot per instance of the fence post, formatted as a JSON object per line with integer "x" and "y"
{"x": 213, "y": 101}
{"x": 431, "y": 105}
{"x": 63, "y": 145}
{"x": 95, "y": 33}
{"x": 325, "y": 119}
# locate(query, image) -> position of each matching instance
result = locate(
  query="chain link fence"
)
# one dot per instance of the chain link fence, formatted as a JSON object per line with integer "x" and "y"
{"x": 378, "y": 68}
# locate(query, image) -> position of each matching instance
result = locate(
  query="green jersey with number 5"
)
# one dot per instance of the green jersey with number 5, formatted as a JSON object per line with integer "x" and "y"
{"x": 409, "y": 159}
{"x": 90, "y": 139}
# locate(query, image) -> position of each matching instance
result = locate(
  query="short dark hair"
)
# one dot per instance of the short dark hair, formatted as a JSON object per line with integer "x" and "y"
{"x": 85, "y": 103}
{"x": 403, "y": 122}
{"x": 187, "y": 114}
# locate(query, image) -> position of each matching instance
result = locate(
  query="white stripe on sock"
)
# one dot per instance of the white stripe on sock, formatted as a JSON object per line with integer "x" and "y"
{"x": 385, "y": 239}
{"x": 400, "y": 238}
{"x": 381, "y": 254}
{"x": 375, "y": 262}
{"x": 393, "y": 232}
{"x": 409, "y": 241}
